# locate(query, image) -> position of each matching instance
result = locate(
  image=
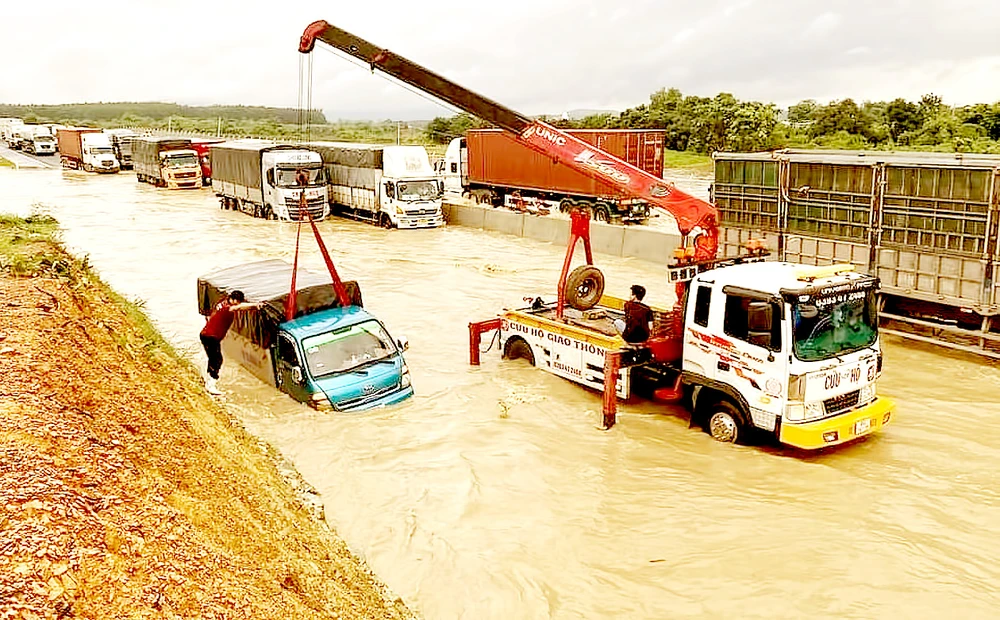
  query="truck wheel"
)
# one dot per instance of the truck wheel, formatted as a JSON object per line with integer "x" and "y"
{"x": 385, "y": 221}
{"x": 566, "y": 205}
{"x": 518, "y": 348}
{"x": 725, "y": 423}
{"x": 602, "y": 213}
{"x": 584, "y": 287}
{"x": 88, "y": 167}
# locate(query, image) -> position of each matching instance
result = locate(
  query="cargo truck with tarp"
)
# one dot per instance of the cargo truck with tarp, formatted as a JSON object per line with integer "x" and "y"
{"x": 391, "y": 186}
{"x": 166, "y": 162}
{"x": 925, "y": 223}
{"x": 262, "y": 179}
{"x": 328, "y": 355}
{"x": 492, "y": 167}
{"x": 121, "y": 143}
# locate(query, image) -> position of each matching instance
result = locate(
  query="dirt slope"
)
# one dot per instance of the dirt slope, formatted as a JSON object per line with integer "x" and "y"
{"x": 125, "y": 491}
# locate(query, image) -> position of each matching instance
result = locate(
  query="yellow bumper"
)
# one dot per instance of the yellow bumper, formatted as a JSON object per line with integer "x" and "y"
{"x": 839, "y": 429}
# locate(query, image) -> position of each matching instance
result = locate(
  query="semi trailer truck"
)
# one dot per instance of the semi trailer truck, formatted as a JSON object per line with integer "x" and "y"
{"x": 490, "y": 166}
{"x": 262, "y": 179}
{"x": 166, "y": 162}
{"x": 391, "y": 186}
{"x": 86, "y": 148}
{"x": 121, "y": 142}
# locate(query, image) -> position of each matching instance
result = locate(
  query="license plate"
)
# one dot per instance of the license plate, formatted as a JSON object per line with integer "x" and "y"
{"x": 862, "y": 426}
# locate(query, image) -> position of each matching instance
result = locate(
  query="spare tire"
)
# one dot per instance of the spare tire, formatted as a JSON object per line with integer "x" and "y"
{"x": 584, "y": 287}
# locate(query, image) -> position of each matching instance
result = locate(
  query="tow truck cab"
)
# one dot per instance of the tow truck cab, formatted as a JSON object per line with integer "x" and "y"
{"x": 789, "y": 349}
{"x": 329, "y": 356}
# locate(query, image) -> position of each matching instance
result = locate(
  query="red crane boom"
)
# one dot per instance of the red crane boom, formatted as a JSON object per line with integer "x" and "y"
{"x": 696, "y": 218}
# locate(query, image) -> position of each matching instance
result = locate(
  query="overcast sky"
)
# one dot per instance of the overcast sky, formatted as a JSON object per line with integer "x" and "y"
{"x": 536, "y": 56}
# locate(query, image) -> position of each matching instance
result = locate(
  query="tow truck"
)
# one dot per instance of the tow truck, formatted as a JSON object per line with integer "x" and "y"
{"x": 751, "y": 346}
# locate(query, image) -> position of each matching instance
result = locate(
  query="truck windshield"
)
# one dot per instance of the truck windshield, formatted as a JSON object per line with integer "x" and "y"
{"x": 830, "y": 325}
{"x": 287, "y": 176}
{"x": 101, "y": 150}
{"x": 176, "y": 161}
{"x": 347, "y": 348}
{"x": 417, "y": 190}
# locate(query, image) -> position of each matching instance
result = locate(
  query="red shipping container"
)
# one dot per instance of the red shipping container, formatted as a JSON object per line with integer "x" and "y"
{"x": 496, "y": 159}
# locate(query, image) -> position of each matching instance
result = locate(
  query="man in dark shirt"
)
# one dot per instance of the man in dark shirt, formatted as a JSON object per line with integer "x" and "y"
{"x": 638, "y": 318}
{"x": 215, "y": 330}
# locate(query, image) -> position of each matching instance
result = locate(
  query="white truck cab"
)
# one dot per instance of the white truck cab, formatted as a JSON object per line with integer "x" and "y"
{"x": 450, "y": 168}
{"x": 410, "y": 193}
{"x": 793, "y": 349}
{"x": 98, "y": 155}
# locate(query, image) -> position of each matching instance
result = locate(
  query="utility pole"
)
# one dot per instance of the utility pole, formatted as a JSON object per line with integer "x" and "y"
{"x": 218, "y": 129}
{"x": 397, "y": 132}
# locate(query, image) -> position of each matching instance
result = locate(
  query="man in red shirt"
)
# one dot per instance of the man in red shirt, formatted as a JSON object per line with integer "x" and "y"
{"x": 215, "y": 330}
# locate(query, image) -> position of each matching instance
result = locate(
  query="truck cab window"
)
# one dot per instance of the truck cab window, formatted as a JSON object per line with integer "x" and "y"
{"x": 390, "y": 190}
{"x": 753, "y": 320}
{"x": 702, "y": 302}
{"x": 454, "y": 167}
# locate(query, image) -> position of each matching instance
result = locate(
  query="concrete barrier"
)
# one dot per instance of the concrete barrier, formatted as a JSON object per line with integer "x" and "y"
{"x": 651, "y": 245}
{"x": 502, "y": 220}
{"x": 627, "y": 241}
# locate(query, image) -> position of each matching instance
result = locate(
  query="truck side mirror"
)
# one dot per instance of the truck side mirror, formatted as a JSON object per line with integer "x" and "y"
{"x": 440, "y": 187}
{"x": 403, "y": 343}
{"x": 297, "y": 374}
{"x": 270, "y": 177}
{"x": 390, "y": 189}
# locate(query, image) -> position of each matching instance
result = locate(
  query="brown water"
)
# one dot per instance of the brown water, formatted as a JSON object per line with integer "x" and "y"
{"x": 468, "y": 512}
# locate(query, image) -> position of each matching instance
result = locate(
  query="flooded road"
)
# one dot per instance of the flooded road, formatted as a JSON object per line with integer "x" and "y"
{"x": 490, "y": 494}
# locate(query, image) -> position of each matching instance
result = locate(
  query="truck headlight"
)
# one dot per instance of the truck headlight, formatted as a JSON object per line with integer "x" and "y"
{"x": 866, "y": 394}
{"x": 404, "y": 381}
{"x": 815, "y": 410}
{"x": 319, "y": 400}
{"x": 795, "y": 413}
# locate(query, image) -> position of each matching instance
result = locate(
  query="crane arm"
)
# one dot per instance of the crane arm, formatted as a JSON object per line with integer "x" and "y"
{"x": 695, "y": 217}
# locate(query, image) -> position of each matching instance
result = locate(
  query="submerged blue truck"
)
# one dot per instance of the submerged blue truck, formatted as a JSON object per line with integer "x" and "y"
{"x": 330, "y": 355}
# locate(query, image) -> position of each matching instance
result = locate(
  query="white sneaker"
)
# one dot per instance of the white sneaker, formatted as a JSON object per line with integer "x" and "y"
{"x": 212, "y": 387}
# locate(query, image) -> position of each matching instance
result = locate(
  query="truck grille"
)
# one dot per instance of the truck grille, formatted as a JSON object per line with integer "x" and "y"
{"x": 842, "y": 402}
{"x": 314, "y": 205}
{"x": 415, "y": 212}
{"x": 185, "y": 175}
{"x": 350, "y": 403}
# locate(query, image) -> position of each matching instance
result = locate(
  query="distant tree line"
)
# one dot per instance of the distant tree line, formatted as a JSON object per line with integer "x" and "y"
{"x": 724, "y": 123}
{"x": 102, "y": 112}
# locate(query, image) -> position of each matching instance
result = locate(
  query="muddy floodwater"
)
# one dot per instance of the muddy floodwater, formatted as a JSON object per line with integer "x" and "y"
{"x": 491, "y": 494}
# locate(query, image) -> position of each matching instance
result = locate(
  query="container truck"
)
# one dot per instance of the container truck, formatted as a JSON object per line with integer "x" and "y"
{"x": 330, "y": 355}
{"x": 392, "y": 186}
{"x": 201, "y": 146}
{"x": 37, "y": 140}
{"x": 490, "y": 166}
{"x": 262, "y": 179}
{"x": 87, "y": 148}
{"x": 121, "y": 142}
{"x": 925, "y": 223}
{"x": 166, "y": 162}
{"x": 789, "y": 349}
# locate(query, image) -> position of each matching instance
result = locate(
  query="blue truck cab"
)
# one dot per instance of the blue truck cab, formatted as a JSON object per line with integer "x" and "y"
{"x": 329, "y": 356}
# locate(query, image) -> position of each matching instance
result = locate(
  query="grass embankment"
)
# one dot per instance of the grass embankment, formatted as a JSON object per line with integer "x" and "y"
{"x": 6, "y": 163}
{"x": 692, "y": 162}
{"x": 125, "y": 491}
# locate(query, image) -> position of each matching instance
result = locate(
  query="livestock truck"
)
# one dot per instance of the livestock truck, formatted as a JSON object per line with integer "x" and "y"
{"x": 391, "y": 186}
{"x": 121, "y": 142}
{"x": 330, "y": 355}
{"x": 166, "y": 162}
{"x": 37, "y": 140}
{"x": 87, "y": 148}
{"x": 490, "y": 166}
{"x": 262, "y": 179}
